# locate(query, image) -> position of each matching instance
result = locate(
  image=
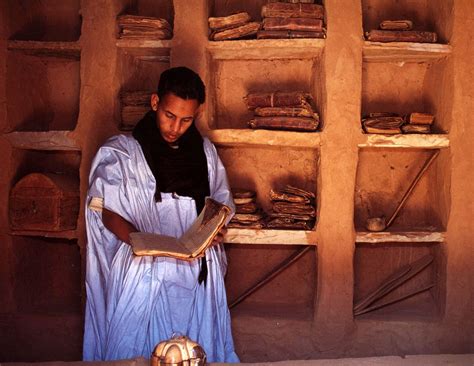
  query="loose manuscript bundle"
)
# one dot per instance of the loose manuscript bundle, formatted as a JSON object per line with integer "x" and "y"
{"x": 293, "y": 19}
{"x": 293, "y": 208}
{"x": 400, "y": 31}
{"x": 392, "y": 123}
{"x": 291, "y": 111}
{"x": 140, "y": 27}
{"x": 234, "y": 26}
{"x": 134, "y": 105}
{"x": 247, "y": 213}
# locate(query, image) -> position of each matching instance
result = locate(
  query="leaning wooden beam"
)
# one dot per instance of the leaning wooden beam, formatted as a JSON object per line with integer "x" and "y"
{"x": 395, "y": 300}
{"x": 269, "y": 276}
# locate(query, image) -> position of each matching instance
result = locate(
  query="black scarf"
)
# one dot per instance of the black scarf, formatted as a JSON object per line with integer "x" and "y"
{"x": 182, "y": 170}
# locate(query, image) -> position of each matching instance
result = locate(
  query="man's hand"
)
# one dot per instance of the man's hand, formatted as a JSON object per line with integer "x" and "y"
{"x": 219, "y": 238}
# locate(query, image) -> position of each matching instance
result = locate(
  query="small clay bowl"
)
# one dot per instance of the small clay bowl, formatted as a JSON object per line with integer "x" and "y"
{"x": 375, "y": 224}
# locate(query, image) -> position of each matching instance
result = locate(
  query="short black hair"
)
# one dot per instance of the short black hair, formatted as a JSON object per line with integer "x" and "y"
{"x": 182, "y": 82}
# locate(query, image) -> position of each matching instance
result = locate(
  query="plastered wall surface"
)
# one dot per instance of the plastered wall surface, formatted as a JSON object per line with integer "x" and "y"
{"x": 324, "y": 283}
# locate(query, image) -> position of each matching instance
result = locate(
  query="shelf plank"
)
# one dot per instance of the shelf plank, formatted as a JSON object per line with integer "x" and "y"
{"x": 270, "y": 237}
{"x": 50, "y": 140}
{"x": 69, "y": 50}
{"x": 68, "y": 234}
{"x": 261, "y": 49}
{"x": 249, "y": 137}
{"x": 144, "y": 43}
{"x": 404, "y": 51}
{"x": 429, "y": 141}
{"x": 400, "y": 237}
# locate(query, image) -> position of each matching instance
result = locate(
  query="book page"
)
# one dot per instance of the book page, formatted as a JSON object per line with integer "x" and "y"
{"x": 199, "y": 236}
{"x": 155, "y": 244}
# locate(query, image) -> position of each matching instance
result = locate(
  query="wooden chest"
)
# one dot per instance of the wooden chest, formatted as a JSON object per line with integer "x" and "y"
{"x": 45, "y": 202}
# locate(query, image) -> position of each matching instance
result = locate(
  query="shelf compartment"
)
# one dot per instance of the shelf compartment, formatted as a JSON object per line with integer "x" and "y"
{"x": 272, "y": 168}
{"x": 404, "y": 52}
{"x": 268, "y": 49}
{"x": 408, "y": 87}
{"x": 270, "y": 237}
{"x": 427, "y": 141}
{"x": 51, "y": 100}
{"x": 428, "y": 15}
{"x": 232, "y": 80}
{"x": 51, "y": 140}
{"x": 374, "y": 263}
{"x": 37, "y": 287}
{"x": 383, "y": 177}
{"x": 249, "y": 137}
{"x": 294, "y": 287}
{"x": 71, "y": 50}
{"x": 44, "y": 20}
{"x": 412, "y": 237}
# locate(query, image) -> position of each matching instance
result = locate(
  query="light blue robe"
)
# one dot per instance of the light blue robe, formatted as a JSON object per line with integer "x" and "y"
{"x": 133, "y": 302}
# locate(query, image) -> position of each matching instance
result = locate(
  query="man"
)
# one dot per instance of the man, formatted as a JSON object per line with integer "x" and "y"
{"x": 155, "y": 181}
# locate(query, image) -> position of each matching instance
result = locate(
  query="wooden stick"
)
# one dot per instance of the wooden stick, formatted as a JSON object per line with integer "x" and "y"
{"x": 275, "y": 271}
{"x": 388, "y": 287}
{"x": 397, "y": 299}
{"x": 412, "y": 186}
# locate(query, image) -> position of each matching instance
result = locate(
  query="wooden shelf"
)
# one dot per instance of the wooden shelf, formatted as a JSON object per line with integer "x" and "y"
{"x": 68, "y": 234}
{"x": 50, "y": 140}
{"x": 404, "y": 51}
{"x": 266, "y": 49}
{"x": 430, "y": 141}
{"x": 270, "y": 237}
{"x": 70, "y": 50}
{"x": 249, "y": 137}
{"x": 400, "y": 237}
{"x": 143, "y": 43}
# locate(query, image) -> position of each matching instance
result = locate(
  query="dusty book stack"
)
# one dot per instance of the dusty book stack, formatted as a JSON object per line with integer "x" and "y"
{"x": 134, "y": 105}
{"x": 292, "y": 111}
{"x": 247, "y": 213}
{"x": 234, "y": 26}
{"x": 293, "y": 208}
{"x": 292, "y": 19}
{"x": 400, "y": 31}
{"x": 393, "y": 123}
{"x": 140, "y": 27}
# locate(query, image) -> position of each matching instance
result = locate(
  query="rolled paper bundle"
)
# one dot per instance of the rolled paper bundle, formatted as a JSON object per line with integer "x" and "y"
{"x": 293, "y": 24}
{"x": 243, "y": 200}
{"x": 291, "y": 216}
{"x": 413, "y": 128}
{"x": 279, "y": 99}
{"x": 246, "y": 208}
{"x": 401, "y": 36}
{"x": 289, "y": 34}
{"x": 241, "y": 31}
{"x": 247, "y": 217}
{"x": 230, "y": 21}
{"x": 387, "y": 125}
{"x": 246, "y": 224}
{"x": 287, "y": 10}
{"x": 285, "y": 123}
{"x": 242, "y": 193}
{"x": 298, "y": 191}
{"x": 282, "y": 223}
{"x": 288, "y": 197}
{"x": 420, "y": 118}
{"x": 286, "y": 112}
{"x": 135, "y": 26}
{"x": 294, "y": 208}
{"x": 396, "y": 25}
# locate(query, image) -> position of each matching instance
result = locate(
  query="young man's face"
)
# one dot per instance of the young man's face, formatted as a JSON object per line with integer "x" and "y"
{"x": 174, "y": 115}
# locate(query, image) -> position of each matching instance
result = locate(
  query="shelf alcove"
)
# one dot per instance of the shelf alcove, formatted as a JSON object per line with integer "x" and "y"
{"x": 375, "y": 263}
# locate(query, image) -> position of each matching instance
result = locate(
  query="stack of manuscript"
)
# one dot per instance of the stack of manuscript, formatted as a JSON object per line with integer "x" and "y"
{"x": 134, "y": 105}
{"x": 247, "y": 213}
{"x": 139, "y": 27}
{"x": 418, "y": 123}
{"x": 294, "y": 19}
{"x": 293, "y": 208}
{"x": 392, "y": 123}
{"x": 291, "y": 111}
{"x": 234, "y": 26}
{"x": 400, "y": 31}
{"x": 386, "y": 123}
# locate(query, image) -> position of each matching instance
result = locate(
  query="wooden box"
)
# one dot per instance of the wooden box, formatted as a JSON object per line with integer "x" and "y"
{"x": 45, "y": 202}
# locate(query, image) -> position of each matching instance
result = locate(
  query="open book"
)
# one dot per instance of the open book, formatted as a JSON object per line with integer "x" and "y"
{"x": 193, "y": 243}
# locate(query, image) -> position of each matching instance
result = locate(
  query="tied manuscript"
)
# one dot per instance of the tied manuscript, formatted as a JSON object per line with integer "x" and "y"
{"x": 193, "y": 243}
